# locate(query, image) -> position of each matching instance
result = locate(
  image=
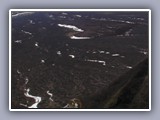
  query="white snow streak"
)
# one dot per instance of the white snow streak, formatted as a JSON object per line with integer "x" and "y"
{"x": 99, "y": 61}
{"x": 115, "y": 55}
{"x": 26, "y": 80}
{"x": 129, "y": 67}
{"x": 18, "y": 72}
{"x": 59, "y": 53}
{"x": 42, "y": 61}
{"x": 22, "y": 13}
{"x": 122, "y": 56}
{"x": 31, "y": 22}
{"x": 74, "y": 37}
{"x": 71, "y": 106}
{"x": 36, "y": 44}
{"x": 26, "y": 32}
{"x": 36, "y": 98}
{"x": 107, "y": 52}
{"x": 128, "y": 32}
{"x": 72, "y": 56}
{"x": 101, "y": 51}
{"x": 71, "y": 27}
{"x": 64, "y": 13}
{"x": 18, "y": 41}
{"x": 23, "y": 105}
{"x": 62, "y": 17}
{"x": 78, "y": 15}
{"x": 144, "y": 52}
{"x": 50, "y": 94}
{"x": 51, "y": 16}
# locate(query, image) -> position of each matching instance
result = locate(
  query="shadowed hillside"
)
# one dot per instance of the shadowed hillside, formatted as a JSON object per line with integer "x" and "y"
{"x": 130, "y": 90}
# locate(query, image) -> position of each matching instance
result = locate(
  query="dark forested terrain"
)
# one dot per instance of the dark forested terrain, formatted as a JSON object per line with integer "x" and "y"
{"x": 97, "y": 58}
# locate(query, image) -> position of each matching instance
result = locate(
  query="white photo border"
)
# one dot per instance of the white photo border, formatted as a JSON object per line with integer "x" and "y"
{"x": 80, "y": 10}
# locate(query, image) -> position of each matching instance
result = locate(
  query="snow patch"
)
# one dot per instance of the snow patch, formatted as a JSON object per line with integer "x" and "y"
{"x": 140, "y": 18}
{"x": 51, "y": 16}
{"x": 128, "y": 32}
{"x": 36, "y": 98}
{"x": 23, "y": 105}
{"x": 36, "y": 44}
{"x": 59, "y": 53}
{"x": 71, "y": 27}
{"x": 31, "y": 22}
{"x": 18, "y": 41}
{"x": 107, "y": 52}
{"x": 78, "y": 15}
{"x": 115, "y": 55}
{"x": 50, "y": 94}
{"x": 72, "y": 56}
{"x": 26, "y": 80}
{"x": 22, "y": 14}
{"x": 64, "y": 13}
{"x": 121, "y": 21}
{"x": 143, "y": 52}
{"x": 42, "y": 61}
{"x": 62, "y": 17}
{"x": 129, "y": 22}
{"x": 98, "y": 61}
{"x": 122, "y": 56}
{"x": 74, "y": 37}
{"x": 129, "y": 67}
{"x": 101, "y": 51}
{"x": 18, "y": 72}
{"x": 26, "y": 32}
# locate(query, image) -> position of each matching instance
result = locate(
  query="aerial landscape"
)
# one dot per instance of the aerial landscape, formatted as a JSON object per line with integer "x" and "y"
{"x": 79, "y": 60}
